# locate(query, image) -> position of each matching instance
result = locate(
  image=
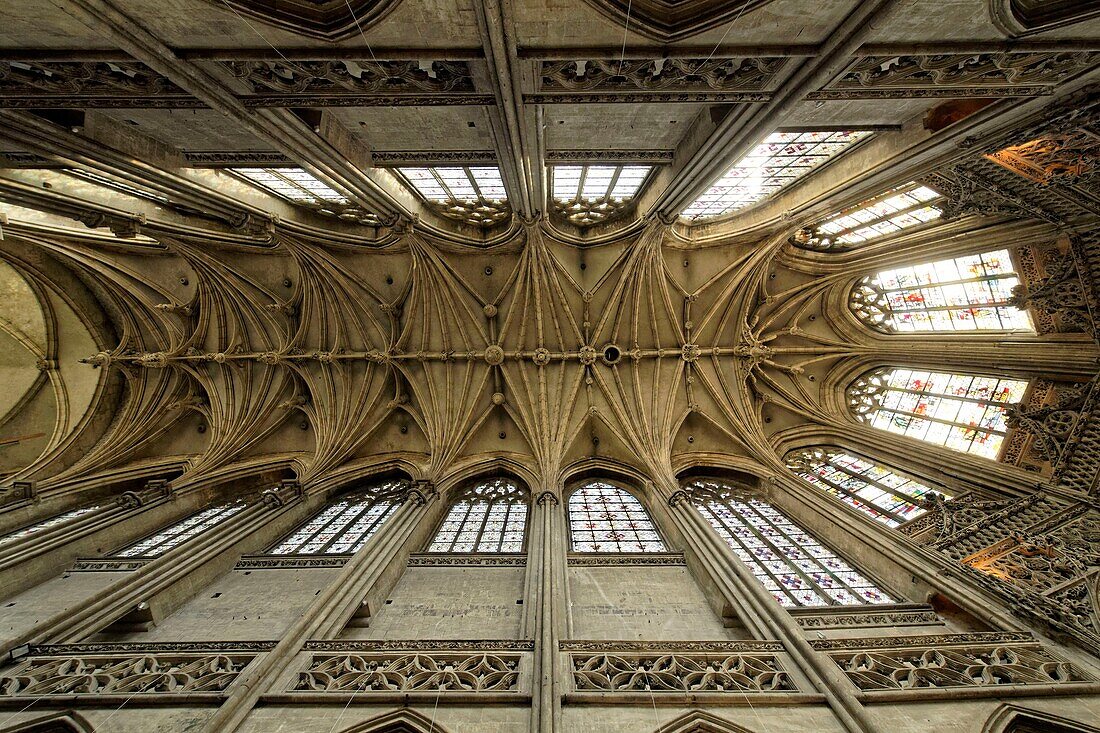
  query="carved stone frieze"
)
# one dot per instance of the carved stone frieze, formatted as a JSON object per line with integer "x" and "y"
{"x": 389, "y": 78}
{"x": 986, "y": 638}
{"x": 289, "y": 562}
{"x": 459, "y": 560}
{"x": 107, "y": 565}
{"x": 655, "y": 157}
{"x": 670, "y": 558}
{"x": 440, "y": 672}
{"x": 586, "y": 645}
{"x": 161, "y": 673}
{"x": 669, "y": 672}
{"x": 245, "y": 158}
{"x": 660, "y": 75}
{"x": 139, "y": 647}
{"x": 433, "y": 157}
{"x": 370, "y": 645}
{"x": 83, "y": 79}
{"x": 864, "y": 617}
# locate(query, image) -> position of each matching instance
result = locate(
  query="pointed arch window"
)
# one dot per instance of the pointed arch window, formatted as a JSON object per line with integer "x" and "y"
{"x": 490, "y": 515}
{"x": 591, "y": 194}
{"x": 793, "y": 566}
{"x": 46, "y": 524}
{"x": 299, "y": 187}
{"x": 471, "y": 194}
{"x": 964, "y": 412}
{"x": 901, "y": 208}
{"x": 606, "y": 518}
{"x": 969, "y": 293}
{"x": 178, "y": 533}
{"x": 345, "y": 525}
{"x": 879, "y": 492}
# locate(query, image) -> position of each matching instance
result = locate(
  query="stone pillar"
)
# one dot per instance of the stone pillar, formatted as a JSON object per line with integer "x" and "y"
{"x": 546, "y": 560}
{"x": 764, "y": 618}
{"x": 75, "y": 624}
{"x": 330, "y": 611}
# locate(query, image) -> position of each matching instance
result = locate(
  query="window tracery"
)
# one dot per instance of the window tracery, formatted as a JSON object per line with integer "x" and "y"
{"x": 963, "y": 412}
{"x": 606, "y": 518}
{"x": 161, "y": 542}
{"x": 794, "y": 567}
{"x": 879, "y": 492}
{"x": 968, "y": 293}
{"x": 470, "y": 194}
{"x": 490, "y": 515}
{"x": 901, "y": 208}
{"x": 780, "y": 160}
{"x": 592, "y": 194}
{"x": 302, "y": 189}
{"x": 345, "y": 525}
{"x": 46, "y": 524}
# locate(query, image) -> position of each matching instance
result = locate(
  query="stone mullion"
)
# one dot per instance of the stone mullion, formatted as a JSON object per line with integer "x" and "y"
{"x": 75, "y": 624}
{"x": 548, "y": 583}
{"x": 1028, "y": 357}
{"x": 328, "y": 613}
{"x": 764, "y": 617}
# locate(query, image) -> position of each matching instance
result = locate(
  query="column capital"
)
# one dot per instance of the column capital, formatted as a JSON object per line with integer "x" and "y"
{"x": 547, "y": 497}
{"x": 421, "y": 492}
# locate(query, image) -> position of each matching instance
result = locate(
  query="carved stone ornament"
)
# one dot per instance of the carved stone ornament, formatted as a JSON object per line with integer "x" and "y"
{"x": 353, "y": 77}
{"x": 541, "y": 356}
{"x": 587, "y": 355}
{"x": 494, "y": 355}
{"x": 684, "y": 672}
{"x": 439, "y": 672}
{"x": 658, "y": 75}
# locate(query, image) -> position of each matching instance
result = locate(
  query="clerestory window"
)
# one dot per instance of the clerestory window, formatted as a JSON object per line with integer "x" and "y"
{"x": 904, "y": 207}
{"x": 606, "y": 518}
{"x": 470, "y": 194}
{"x": 161, "y": 542}
{"x": 593, "y": 194}
{"x": 489, "y": 515}
{"x": 303, "y": 189}
{"x": 46, "y": 524}
{"x": 346, "y": 524}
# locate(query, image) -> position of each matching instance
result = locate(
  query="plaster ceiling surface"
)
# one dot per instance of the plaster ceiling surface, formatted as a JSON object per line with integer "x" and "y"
{"x": 388, "y": 325}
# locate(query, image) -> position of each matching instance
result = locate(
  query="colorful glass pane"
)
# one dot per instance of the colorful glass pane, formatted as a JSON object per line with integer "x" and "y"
{"x": 896, "y": 210}
{"x": 489, "y": 516}
{"x": 605, "y": 518}
{"x": 344, "y": 526}
{"x": 181, "y": 531}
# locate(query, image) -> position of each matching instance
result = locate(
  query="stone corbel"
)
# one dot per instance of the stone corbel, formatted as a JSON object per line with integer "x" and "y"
{"x": 547, "y": 497}
{"x": 19, "y": 492}
{"x": 421, "y": 492}
{"x": 288, "y": 490}
{"x": 677, "y": 497}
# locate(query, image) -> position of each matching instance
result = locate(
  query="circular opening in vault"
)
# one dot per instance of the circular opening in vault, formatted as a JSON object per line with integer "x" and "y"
{"x": 611, "y": 354}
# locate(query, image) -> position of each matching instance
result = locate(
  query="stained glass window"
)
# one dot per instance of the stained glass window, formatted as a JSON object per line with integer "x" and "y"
{"x": 795, "y": 568}
{"x": 873, "y": 489}
{"x": 960, "y": 411}
{"x": 164, "y": 540}
{"x": 605, "y": 518}
{"x": 345, "y": 525}
{"x": 489, "y": 516}
{"x": 896, "y": 210}
{"x": 780, "y": 160}
{"x": 46, "y": 524}
{"x": 300, "y": 187}
{"x": 590, "y": 194}
{"x": 471, "y": 194}
{"x": 970, "y": 293}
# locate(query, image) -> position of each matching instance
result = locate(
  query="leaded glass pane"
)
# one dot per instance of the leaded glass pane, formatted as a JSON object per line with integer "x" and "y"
{"x": 345, "y": 525}
{"x": 591, "y": 194}
{"x": 181, "y": 531}
{"x": 300, "y": 187}
{"x": 488, "y": 516}
{"x": 774, "y": 164}
{"x": 873, "y": 489}
{"x": 969, "y": 293}
{"x": 894, "y": 211}
{"x": 605, "y": 518}
{"x": 46, "y": 524}
{"x": 793, "y": 566}
{"x": 471, "y": 194}
{"x": 964, "y": 412}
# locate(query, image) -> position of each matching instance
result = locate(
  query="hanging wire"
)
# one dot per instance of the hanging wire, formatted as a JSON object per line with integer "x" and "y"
{"x": 297, "y": 68}
{"x": 622, "y": 54}
{"x": 364, "y": 37}
{"x": 723, "y": 38}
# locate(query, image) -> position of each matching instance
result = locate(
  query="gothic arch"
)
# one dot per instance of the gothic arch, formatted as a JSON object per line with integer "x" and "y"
{"x": 699, "y": 721}
{"x": 328, "y": 20}
{"x": 64, "y": 722}
{"x": 398, "y": 721}
{"x": 1025, "y": 17}
{"x": 1011, "y": 718}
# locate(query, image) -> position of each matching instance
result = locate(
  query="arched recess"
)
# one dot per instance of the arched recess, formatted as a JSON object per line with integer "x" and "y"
{"x": 1025, "y": 17}
{"x": 405, "y": 720}
{"x": 1009, "y": 718}
{"x": 700, "y": 721}
{"x": 487, "y": 514}
{"x": 328, "y": 20}
{"x": 64, "y": 722}
{"x": 630, "y": 527}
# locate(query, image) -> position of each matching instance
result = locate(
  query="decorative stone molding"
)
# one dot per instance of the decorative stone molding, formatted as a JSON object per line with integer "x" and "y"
{"x": 82, "y": 83}
{"x": 18, "y": 492}
{"x": 163, "y": 673}
{"x": 414, "y": 645}
{"x": 621, "y": 671}
{"x": 437, "y": 672}
{"x": 108, "y": 565}
{"x": 836, "y": 618}
{"x": 360, "y": 77}
{"x": 652, "y": 157}
{"x": 987, "y": 638}
{"x": 547, "y": 497}
{"x": 290, "y": 562}
{"x": 663, "y": 558}
{"x": 288, "y": 491}
{"x": 586, "y": 645}
{"x": 245, "y": 159}
{"x": 459, "y": 560}
{"x": 633, "y": 76}
{"x": 137, "y": 647}
{"x": 396, "y": 158}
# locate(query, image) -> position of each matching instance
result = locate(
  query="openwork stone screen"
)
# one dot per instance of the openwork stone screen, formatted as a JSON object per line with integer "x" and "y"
{"x": 345, "y": 525}
{"x": 795, "y": 568}
{"x": 960, "y": 411}
{"x": 605, "y": 518}
{"x": 971, "y": 293}
{"x": 489, "y": 516}
{"x": 299, "y": 187}
{"x": 780, "y": 160}
{"x": 889, "y": 213}
{"x": 590, "y": 194}
{"x": 471, "y": 194}
{"x": 870, "y": 487}
{"x": 181, "y": 531}
{"x": 46, "y": 524}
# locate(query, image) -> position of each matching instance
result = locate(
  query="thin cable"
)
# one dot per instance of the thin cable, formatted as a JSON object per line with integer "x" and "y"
{"x": 364, "y": 37}
{"x": 341, "y": 716}
{"x": 728, "y": 29}
{"x": 622, "y": 54}
{"x": 119, "y": 707}
{"x": 435, "y": 707}
{"x": 299, "y": 69}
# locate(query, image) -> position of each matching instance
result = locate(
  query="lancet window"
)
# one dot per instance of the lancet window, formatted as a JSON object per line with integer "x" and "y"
{"x": 490, "y": 515}
{"x": 896, "y": 210}
{"x": 346, "y": 524}
{"x": 46, "y": 524}
{"x": 969, "y": 293}
{"x": 780, "y": 160}
{"x": 963, "y": 412}
{"x": 793, "y": 566}
{"x": 470, "y": 194}
{"x": 591, "y": 194}
{"x": 178, "y": 533}
{"x": 299, "y": 187}
{"x": 879, "y": 492}
{"x": 606, "y": 518}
